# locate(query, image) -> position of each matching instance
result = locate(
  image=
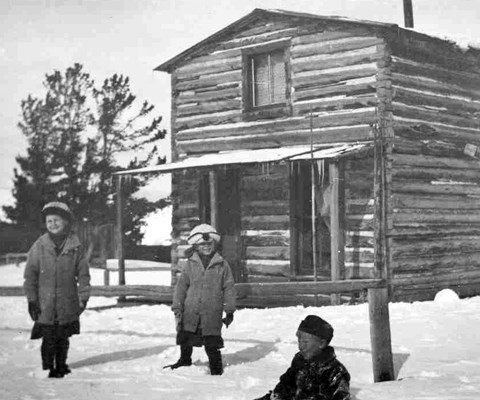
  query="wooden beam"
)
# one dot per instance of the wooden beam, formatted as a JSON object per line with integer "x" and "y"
{"x": 119, "y": 234}
{"x": 408, "y": 13}
{"x": 380, "y": 336}
{"x": 213, "y": 199}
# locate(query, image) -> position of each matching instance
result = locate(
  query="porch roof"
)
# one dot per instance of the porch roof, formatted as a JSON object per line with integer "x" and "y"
{"x": 249, "y": 156}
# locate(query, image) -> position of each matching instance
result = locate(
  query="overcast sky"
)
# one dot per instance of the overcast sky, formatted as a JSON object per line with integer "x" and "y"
{"x": 132, "y": 37}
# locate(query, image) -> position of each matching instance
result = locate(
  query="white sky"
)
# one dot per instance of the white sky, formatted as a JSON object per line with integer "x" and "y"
{"x": 132, "y": 37}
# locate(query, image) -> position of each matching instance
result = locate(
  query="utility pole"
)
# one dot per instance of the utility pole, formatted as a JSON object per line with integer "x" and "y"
{"x": 408, "y": 13}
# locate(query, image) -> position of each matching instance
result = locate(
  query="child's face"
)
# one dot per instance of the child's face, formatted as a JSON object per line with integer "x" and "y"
{"x": 309, "y": 345}
{"x": 55, "y": 224}
{"x": 206, "y": 248}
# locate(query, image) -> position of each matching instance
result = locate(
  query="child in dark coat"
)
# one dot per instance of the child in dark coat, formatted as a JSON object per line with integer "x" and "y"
{"x": 57, "y": 287}
{"x": 315, "y": 372}
{"x": 203, "y": 292}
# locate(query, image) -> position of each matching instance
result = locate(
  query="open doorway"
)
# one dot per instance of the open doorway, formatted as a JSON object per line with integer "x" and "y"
{"x": 303, "y": 245}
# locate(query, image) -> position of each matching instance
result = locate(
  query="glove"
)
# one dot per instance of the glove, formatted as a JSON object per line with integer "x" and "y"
{"x": 228, "y": 319}
{"x": 83, "y": 305}
{"x": 34, "y": 310}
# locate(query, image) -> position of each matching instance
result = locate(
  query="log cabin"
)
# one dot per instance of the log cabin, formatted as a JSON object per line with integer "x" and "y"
{"x": 327, "y": 148}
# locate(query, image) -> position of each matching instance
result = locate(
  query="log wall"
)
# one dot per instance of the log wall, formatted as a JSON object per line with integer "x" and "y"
{"x": 332, "y": 73}
{"x": 435, "y": 188}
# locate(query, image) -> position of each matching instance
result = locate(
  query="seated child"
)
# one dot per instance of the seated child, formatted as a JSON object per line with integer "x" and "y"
{"x": 315, "y": 372}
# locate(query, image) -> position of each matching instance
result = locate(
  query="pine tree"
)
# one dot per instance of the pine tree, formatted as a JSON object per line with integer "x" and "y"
{"x": 75, "y": 135}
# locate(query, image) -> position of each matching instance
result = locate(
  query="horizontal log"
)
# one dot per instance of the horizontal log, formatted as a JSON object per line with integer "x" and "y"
{"x": 326, "y": 61}
{"x": 419, "y": 216}
{"x": 209, "y": 81}
{"x": 266, "y": 222}
{"x": 262, "y": 28}
{"x": 261, "y": 39}
{"x": 440, "y": 188}
{"x": 359, "y": 255}
{"x": 465, "y": 107}
{"x": 435, "y": 72}
{"x": 434, "y": 245}
{"x": 216, "y": 94}
{"x": 439, "y": 230}
{"x": 215, "y": 118}
{"x": 439, "y": 202}
{"x": 333, "y": 45}
{"x": 268, "y": 252}
{"x": 447, "y": 175}
{"x": 430, "y": 264}
{"x": 265, "y": 207}
{"x": 266, "y": 238}
{"x": 269, "y": 193}
{"x": 333, "y": 104}
{"x": 359, "y": 272}
{"x": 196, "y": 67}
{"x": 429, "y": 116}
{"x": 431, "y": 85}
{"x": 328, "y": 34}
{"x": 208, "y": 107}
{"x": 350, "y": 88}
{"x": 435, "y": 162}
{"x": 339, "y": 119}
{"x": 333, "y": 75}
{"x": 268, "y": 267}
{"x": 322, "y": 287}
{"x": 356, "y": 133}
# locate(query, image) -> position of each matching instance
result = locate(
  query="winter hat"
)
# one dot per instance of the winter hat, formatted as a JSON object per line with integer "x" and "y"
{"x": 316, "y": 326}
{"x": 57, "y": 208}
{"x": 203, "y": 233}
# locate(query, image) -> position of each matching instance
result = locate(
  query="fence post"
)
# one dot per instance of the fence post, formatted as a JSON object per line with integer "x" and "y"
{"x": 380, "y": 337}
{"x": 119, "y": 248}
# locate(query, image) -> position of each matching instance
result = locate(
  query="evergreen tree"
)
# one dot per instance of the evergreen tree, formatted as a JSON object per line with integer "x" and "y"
{"x": 75, "y": 135}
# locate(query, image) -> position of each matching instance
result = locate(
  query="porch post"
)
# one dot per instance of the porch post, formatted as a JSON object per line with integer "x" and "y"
{"x": 213, "y": 199}
{"x": 336, "y": 228}
{"x": 120, "y": 253}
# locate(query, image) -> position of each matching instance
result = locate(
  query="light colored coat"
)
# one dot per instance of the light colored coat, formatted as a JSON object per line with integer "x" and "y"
{"x": 58, "y": 283}
{"x": 202, "y": 294}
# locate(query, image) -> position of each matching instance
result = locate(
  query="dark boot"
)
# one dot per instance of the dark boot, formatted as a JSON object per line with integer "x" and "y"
{"x": 185, "y": 359}
{"x": 61, "y": 354}
{"x": 215, "y": 360}
{"x": 47, "y": 349}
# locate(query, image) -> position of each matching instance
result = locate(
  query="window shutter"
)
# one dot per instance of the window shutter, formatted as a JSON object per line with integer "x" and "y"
{"x": 278, "y": 77}
{"x": 261, "y": 74}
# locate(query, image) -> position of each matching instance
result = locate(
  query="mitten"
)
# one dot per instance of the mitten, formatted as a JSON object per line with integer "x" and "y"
{"x": 34, "y": 310}
{"x": 228, "y": 319}
{"x": 83, "y": 305}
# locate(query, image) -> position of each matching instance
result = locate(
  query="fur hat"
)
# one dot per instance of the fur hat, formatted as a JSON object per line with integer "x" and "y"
{"x": 316, "y": 326}
{"x": 203, "y": 233}
{"x": 57, "y": 208}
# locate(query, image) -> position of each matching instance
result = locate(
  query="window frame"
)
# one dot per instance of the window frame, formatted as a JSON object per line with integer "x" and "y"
{"x": 275, "y": 110}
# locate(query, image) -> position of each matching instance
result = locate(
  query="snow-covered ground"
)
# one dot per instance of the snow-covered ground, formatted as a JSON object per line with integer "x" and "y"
{"x": 121, "y": 351}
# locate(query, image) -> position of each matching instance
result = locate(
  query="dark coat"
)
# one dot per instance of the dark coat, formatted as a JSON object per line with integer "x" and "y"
{"x": 321, "y": 378}
{"x": 57, "y": 283}
{"x": 202, "y": 294}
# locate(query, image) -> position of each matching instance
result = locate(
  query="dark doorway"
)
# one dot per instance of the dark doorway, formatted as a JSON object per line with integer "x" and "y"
{"x": 301, "y": 223}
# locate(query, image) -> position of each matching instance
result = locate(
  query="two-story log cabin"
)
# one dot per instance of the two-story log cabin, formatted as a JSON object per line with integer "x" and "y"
{"x": 375, "y": 125}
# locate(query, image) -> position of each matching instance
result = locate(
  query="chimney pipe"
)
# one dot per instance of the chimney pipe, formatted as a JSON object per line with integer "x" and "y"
{"x": 408, "y": 13}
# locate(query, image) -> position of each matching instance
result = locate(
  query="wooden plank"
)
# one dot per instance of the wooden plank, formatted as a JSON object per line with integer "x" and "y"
{"x": 380, "y": 335}
{"x": 343, "y": 88}
{"x": 210, "y": 81}
{"x": 120, "y": 251}
{"x": 201, "y": 108}
{"x": 267, "y": 252}
{"x": 440, "y": 188}
{"x": 437, "y": 247}
{"x": 332, "y": 104}
{"x": 334, "y": 45}
{"x": 435, "y": 162}
{"x": 356, "y": 133}
{"x": 439, "y": 202}
{"x": 420, "y": 216}
{"x": 447, "y": 175}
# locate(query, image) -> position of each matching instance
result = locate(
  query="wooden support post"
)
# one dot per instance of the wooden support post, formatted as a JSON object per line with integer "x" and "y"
{"x": 408, "y": 13}
{"x": 213, "y": 199}
{"x": 380, "y": 337}
{"x": 120, "y": 246}
{"x": 336, "y": 228}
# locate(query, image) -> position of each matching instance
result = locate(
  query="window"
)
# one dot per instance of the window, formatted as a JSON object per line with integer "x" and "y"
{"x": 268, "y": 84}
{"x": 266, "y": 87}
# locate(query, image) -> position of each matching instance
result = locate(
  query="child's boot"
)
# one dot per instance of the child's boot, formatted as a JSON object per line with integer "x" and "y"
{"x": 215, "y": 360}
{"x": 185, "y": 359}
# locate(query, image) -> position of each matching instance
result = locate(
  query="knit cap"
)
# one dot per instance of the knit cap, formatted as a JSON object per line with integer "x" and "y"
{"x": 203, "y": 233}
{"x": 316, "y": 326}
{"x": 57, "y": 208}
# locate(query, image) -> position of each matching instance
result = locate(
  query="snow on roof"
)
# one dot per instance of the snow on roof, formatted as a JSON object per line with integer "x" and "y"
{"x": 249, "y": 156}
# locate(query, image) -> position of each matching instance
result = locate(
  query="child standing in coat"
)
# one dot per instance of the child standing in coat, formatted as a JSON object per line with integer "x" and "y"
{"x": 205, "y": 289}
{"x": 315, "y": 372}
{"x": 57, "y": 287}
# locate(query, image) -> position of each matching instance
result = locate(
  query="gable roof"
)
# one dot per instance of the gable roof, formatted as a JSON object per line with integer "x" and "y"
{"x": 259, "y": 13}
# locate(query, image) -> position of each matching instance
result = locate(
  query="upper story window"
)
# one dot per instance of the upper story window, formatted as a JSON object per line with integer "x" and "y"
{"x": 266, "y": 83}
{"x": 267, "y": 78}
